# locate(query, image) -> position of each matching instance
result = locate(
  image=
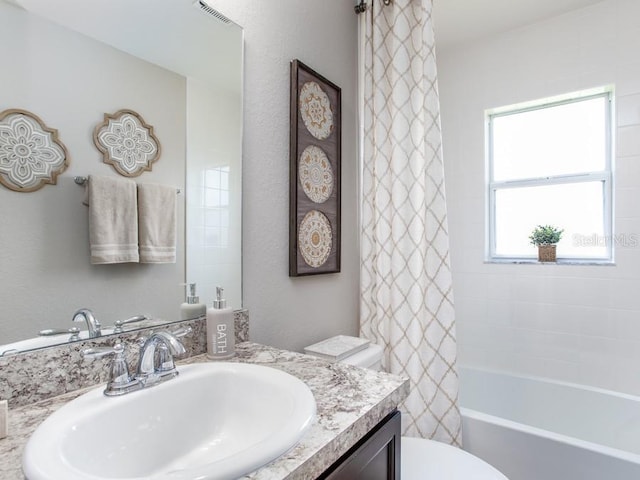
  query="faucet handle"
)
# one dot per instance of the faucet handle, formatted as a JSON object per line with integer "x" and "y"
{"x": 58, "y": 331}
{"x": 120, "y": 381}
{"x": 74, "y": 332}
{"x": 99, "y": 352}
{"x": 119, "y": 323}
{"x": 181, "y": 332}
{"x": 174, "y": 347}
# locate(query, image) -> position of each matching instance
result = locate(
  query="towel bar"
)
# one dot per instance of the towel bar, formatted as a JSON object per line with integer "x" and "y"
{"x": 83, "y": 181}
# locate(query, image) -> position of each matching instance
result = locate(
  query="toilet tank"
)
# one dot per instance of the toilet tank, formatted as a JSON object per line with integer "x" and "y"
{"x": 367, "y": 355}
{"x": 370, "y": 357}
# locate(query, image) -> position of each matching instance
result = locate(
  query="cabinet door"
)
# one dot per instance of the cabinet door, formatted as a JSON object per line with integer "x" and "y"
{"x": 375, "y": 457}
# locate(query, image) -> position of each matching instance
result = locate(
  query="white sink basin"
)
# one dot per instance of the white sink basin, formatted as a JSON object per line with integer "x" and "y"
{"x": 213, "y": 421}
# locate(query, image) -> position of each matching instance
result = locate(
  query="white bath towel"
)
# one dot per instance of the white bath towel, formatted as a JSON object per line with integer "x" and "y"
{"x": 113, "y": 220}
{"x": 157, "y": 223}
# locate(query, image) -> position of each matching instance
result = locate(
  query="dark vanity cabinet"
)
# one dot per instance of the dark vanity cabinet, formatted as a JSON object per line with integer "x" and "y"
{"x": 375, "y": 457}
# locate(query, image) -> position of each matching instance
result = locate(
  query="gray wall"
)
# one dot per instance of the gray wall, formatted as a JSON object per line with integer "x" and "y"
{"x": 293, "y": 312}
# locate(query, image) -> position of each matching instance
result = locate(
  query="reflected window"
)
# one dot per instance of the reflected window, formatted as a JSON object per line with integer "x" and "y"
{"x": 216, "y": 206}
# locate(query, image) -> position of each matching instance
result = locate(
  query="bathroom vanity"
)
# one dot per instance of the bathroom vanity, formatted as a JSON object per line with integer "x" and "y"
{"x": 375, "y": 457}
{"x": 356, "y": 431}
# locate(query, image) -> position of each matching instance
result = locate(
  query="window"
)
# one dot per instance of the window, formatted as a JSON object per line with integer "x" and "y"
{"x": 550, "y": 164}
{"x": 216, "y": 206}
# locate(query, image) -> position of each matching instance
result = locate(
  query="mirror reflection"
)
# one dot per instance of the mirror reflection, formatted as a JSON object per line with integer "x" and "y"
{"x": 71, "y": 61}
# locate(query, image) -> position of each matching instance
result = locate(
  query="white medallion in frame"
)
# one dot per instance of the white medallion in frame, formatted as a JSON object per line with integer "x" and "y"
{"x": 31, "y": 154}
{"x": 127, "y": 143}
{"x": 315, "y": 109}
{"x": 315, "y": 238}
{"x": 315, "y": 174}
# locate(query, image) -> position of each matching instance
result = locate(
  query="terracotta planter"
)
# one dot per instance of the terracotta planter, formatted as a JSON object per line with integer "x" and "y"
{"x": 546, "y": 253}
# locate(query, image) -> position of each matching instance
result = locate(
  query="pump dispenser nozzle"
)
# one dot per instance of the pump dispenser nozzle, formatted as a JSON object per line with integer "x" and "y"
{"x": 192, "y": 308}
{"x": 219, "y": 303}
{"x": 191, "y": 295}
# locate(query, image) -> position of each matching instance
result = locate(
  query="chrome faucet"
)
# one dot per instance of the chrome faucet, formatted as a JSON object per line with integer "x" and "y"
{"x": 93, "y": 325}
{"x": 152, "y": 368}
{"x": 155, "y": 365}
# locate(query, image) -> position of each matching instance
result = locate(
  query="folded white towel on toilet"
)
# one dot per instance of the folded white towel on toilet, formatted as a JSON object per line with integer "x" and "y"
{"x": 157, "y": 223}
{"x": 113, "y": 220}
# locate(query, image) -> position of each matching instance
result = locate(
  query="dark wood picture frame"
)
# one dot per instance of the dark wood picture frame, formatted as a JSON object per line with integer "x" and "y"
{"x": 315, "y": 152}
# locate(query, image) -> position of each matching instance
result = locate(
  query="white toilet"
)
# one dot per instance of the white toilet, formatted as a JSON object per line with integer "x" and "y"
{"x": 421, "y": 459}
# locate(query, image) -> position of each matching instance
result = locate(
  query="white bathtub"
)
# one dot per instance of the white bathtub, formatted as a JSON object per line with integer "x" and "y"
{"x": 539, "y": 429}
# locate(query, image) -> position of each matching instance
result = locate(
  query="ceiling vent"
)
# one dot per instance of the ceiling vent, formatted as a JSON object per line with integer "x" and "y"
{"x": 212, "y": 12}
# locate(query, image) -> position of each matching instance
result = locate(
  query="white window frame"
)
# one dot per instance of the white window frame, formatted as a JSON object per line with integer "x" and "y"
{"x": 605, "y": 176}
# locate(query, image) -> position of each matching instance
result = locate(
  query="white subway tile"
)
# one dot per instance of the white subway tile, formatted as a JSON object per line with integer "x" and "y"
{"x": 627, "y": 172}
{"x": 575, "y": 323}
{"x": 623, "y": 293}
{"x": 626, "y": 201}
{"x": 549, "y": 345}
{"x": 499, "y": 312}
{"x": 540, "y": 367}
{"x": 627, "y": 258}
{"x": 470, "y": 310}
{"x": 627, "y": 76}
{"x": 628, "y": 110}
{"x": 548, "y": 317}
{"x": 628, "y": 141}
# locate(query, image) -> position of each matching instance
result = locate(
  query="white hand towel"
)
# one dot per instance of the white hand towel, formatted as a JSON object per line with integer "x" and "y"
{"x": 157, "y": 223}
{"x": 113, "y": 220}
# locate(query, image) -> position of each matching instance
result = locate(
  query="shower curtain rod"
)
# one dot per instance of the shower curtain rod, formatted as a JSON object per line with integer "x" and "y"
{"x": 362, "y": 6}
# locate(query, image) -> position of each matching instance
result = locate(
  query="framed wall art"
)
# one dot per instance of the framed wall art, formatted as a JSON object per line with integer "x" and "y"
{"x": 315, "y": 163}
{"x": 127, "y": 143}
{"x": 31, "y": 154}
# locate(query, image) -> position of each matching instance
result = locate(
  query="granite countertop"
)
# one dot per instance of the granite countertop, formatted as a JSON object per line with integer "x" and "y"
{"x": 350, "y": 402}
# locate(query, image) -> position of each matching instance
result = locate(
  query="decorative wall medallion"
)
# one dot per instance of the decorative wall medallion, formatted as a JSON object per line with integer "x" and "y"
{"x": 127, "y": 143}
{"x": 316, "y": 176}
{"x": 314, "y": 238}
{"x": 315, "y": 109}
{"x": 31, "y": 155}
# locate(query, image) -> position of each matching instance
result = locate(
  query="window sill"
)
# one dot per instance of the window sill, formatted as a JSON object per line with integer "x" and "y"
{"x": 560, "y": 261}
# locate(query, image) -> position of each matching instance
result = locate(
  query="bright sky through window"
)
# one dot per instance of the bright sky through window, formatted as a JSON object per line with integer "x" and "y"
{"x": 550, "y": 164}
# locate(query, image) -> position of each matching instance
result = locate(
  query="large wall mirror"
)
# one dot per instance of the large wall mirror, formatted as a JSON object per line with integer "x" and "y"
{"x": 178, "y": 63}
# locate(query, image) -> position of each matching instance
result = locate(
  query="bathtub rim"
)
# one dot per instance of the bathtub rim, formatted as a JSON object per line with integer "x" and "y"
{"x": 541, "y": 432}
{"x": 564, "y": 383}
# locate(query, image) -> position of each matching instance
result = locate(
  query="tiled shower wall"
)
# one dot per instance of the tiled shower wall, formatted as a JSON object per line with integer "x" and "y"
{"x": 568, "y": 322}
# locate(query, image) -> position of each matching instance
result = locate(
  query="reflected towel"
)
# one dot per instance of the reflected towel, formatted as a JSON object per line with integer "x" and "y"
{"x": 157, "y": 223}
{"x": 113, "y": 220}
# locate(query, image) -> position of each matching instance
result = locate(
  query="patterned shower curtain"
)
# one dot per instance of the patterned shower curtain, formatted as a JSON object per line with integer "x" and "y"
{"x": 406, "y": 296}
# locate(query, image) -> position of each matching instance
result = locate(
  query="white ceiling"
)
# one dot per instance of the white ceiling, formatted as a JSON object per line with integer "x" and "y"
{"x": 455, "y": 22}
{"x": 461, "y": 21}
{"x": 174, "y": 34}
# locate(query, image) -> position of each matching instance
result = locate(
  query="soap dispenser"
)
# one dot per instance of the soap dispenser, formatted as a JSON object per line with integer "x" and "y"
{"x": 221, "y": 337}
{"x": 192, "y": 308}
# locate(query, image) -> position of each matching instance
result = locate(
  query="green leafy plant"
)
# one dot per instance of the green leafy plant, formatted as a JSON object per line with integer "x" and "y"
{"x": 545, "y": 235}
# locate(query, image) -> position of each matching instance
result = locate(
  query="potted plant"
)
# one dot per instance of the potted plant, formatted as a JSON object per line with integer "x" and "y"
{"x": 545, "y": 238}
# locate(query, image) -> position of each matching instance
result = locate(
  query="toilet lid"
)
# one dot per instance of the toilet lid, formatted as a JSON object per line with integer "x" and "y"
{"x": 427, "y": 459}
